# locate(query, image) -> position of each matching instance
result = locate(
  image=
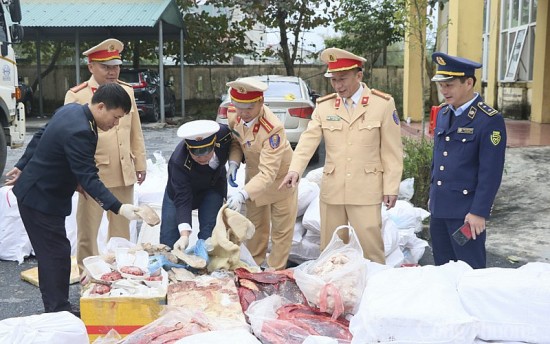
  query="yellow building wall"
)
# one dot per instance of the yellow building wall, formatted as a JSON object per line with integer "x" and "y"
{"x": 540, "y": 106}
{"x": 491, "y": 92}
{"x": 464, "y": 31}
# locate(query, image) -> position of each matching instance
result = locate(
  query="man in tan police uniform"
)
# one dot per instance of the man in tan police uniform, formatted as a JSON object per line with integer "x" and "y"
{"x": 364, "y": 156}
{"x": 120, "y": 153}
{"x": 260, "y": 136}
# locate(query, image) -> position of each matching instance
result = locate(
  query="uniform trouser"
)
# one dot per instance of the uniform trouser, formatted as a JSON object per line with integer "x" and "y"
{"x": 208, "y": 205}
{"x": 283, "y": 217}
{"x": 53, "y": 252}
{"x": 88, "y": 220}
{"x": 365, "y": 219}
{"x": 446, "y": 249}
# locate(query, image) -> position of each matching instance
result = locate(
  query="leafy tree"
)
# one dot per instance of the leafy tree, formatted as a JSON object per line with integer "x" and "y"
{"x": 369, "y": 27}
{"x": 291, "y": 18}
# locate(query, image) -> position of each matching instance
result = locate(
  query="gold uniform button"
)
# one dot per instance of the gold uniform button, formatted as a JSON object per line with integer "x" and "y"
{"x": 349, "y": 174}
{"x": 447, "y": 138}
{"x": 445, "y": 153}
{"x": 349, "y": 159}
{"x": 441, "y": 168}
{"x": 465, "y": 192}
{"x": 439, "y": 182}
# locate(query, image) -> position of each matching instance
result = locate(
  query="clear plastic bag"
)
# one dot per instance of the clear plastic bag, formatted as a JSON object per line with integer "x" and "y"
{"x": 335, "y": 281}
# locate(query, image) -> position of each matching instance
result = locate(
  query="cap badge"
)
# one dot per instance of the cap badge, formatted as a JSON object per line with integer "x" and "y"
{"x": 111, "y": 48}
{"x": 331, "y": 58}
{"x": 199, "y": 138}
{"x": 241, "y": 89}
{"x": 440, "y": 61}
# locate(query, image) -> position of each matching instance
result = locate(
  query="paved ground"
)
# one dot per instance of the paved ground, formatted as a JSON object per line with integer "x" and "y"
{"x": 517, "y": 233}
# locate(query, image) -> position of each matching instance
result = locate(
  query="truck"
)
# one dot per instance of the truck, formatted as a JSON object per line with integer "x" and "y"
{"x": 12, "y": 112}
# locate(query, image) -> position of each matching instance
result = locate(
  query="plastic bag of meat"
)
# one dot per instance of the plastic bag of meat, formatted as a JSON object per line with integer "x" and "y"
{"x": 335, "y": 281}
{"x": 176, "y": 323}
{"x": 254, "y": 286}
{"x": 276, "y": 320}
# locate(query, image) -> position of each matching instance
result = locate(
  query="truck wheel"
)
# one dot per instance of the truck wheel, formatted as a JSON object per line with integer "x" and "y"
{"x": 3, "y": 151}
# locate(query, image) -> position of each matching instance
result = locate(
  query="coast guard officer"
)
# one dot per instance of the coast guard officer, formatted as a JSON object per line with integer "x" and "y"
{"x": 364, "y": 155}
{"x": 196, "y": 180}
{"x": 467, "y": 165}
{"x": 260, "y": 136}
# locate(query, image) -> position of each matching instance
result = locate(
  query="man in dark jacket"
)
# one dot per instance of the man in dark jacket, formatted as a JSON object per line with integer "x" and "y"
{"x": 59, "y": 160}
{"x": 196, "y": 180}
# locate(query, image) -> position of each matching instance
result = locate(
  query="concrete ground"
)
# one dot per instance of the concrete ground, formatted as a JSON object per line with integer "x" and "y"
{"x": 517, "y": 232}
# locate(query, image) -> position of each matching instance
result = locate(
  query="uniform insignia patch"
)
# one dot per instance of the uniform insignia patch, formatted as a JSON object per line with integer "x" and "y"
{"x": 495, "y": 137}
{"x": 333, "y": 118}
{"x": 274, "y": 141}
{"x": 337, "y": 103}
{"x": 440, "y": 61}
{"x": 395, "y": 117}
{"x": 465, "y": 130}
{"x": 364, "y": 100}
{"x": 472, "y": 112}
{"x": 487, "y": 109}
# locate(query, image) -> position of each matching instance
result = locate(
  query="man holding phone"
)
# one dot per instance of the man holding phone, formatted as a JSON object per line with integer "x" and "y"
{"x": 467, "y": 165}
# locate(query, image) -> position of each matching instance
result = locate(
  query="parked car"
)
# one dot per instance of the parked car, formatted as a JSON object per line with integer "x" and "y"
{"x": 289, "y": 98}
{"x": 146, "y": 84}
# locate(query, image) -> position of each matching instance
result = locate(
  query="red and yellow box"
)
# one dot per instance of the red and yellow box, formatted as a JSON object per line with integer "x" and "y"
{"x": 124, "y": 314}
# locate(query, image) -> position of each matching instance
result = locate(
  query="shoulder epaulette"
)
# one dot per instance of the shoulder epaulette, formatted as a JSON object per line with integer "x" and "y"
{"x": 124, "y": 83}
{"x": 381, "y": 94}
{"x": 327, "y": 97}
{"x": 79, "y": 87}
{"x": 487, "y": 109}
{"x": 224, "y": 139}
{"x": 443, "y": 104}
{"x": 265, "y": 123}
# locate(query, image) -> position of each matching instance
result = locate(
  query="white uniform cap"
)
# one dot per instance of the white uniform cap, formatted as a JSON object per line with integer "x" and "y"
{"x": 106, "y": 52}
{"x": 198, "y": 130}
{"x": 246, "y": 91}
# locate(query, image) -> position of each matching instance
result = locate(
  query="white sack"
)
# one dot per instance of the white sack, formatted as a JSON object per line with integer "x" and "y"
{"x": 307, "y": 192}
{"x": 240, "y": 336}
{"x": 312, "y": 216}
{"x": 406, "y": 189}
{"x": 14, "y": 241}
{"x": 395, "y": 258}
{"x": 511, "y": 304}
{"x": 303, "y": 251}
{"x": 315, "y": 176}
{"x": 390, "y": 234}
{"x": 299, "y": 231}
{"x": 414, "y": 305}
{"x": 405, "y": 215}
{"x": 151, "y": 191}
{"x": 46, "y": 328}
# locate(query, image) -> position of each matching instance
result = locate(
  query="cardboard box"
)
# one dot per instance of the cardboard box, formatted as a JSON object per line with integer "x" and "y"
{"x": 124, "y": 314}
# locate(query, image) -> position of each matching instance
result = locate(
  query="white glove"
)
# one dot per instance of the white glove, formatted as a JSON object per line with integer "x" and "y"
{"x": 129, "y": 211}
{"x": 182, "y": 243}
{"x": 236, "y": 201}
{"x": 232, "y": 173}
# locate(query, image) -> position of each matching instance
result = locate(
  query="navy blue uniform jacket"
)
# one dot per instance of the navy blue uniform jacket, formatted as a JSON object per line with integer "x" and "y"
{"x": 188, "y": 180}
{"x": 468, "y": 161}
{"x": 59, "y": 157}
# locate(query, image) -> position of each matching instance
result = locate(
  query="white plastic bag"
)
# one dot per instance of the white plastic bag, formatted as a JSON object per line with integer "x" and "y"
{"x": 307, "y": 192}
{"x": 14, "y": 241}
{"x": 335, "y": 281}
{"x": 45, "y": 328}
{"x": 511, "y": 304}
{"x": 406, "y": 189}
{"x": 414, "y": 305}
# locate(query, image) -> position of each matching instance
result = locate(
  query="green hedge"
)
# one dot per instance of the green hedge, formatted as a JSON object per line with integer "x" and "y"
{"x": 417, "y": 161}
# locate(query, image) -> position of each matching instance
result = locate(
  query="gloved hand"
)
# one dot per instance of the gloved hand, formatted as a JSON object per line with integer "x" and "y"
{"x": 129, "y": 211}
{"x": 236, "y": 201}
{"x": 232, "y": 173}
{"x": 182, "y": 243}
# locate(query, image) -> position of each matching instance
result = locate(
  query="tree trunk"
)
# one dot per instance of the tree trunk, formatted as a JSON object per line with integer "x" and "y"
{"x": 285, "y": 53}
{"x": 51, "y": 65}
